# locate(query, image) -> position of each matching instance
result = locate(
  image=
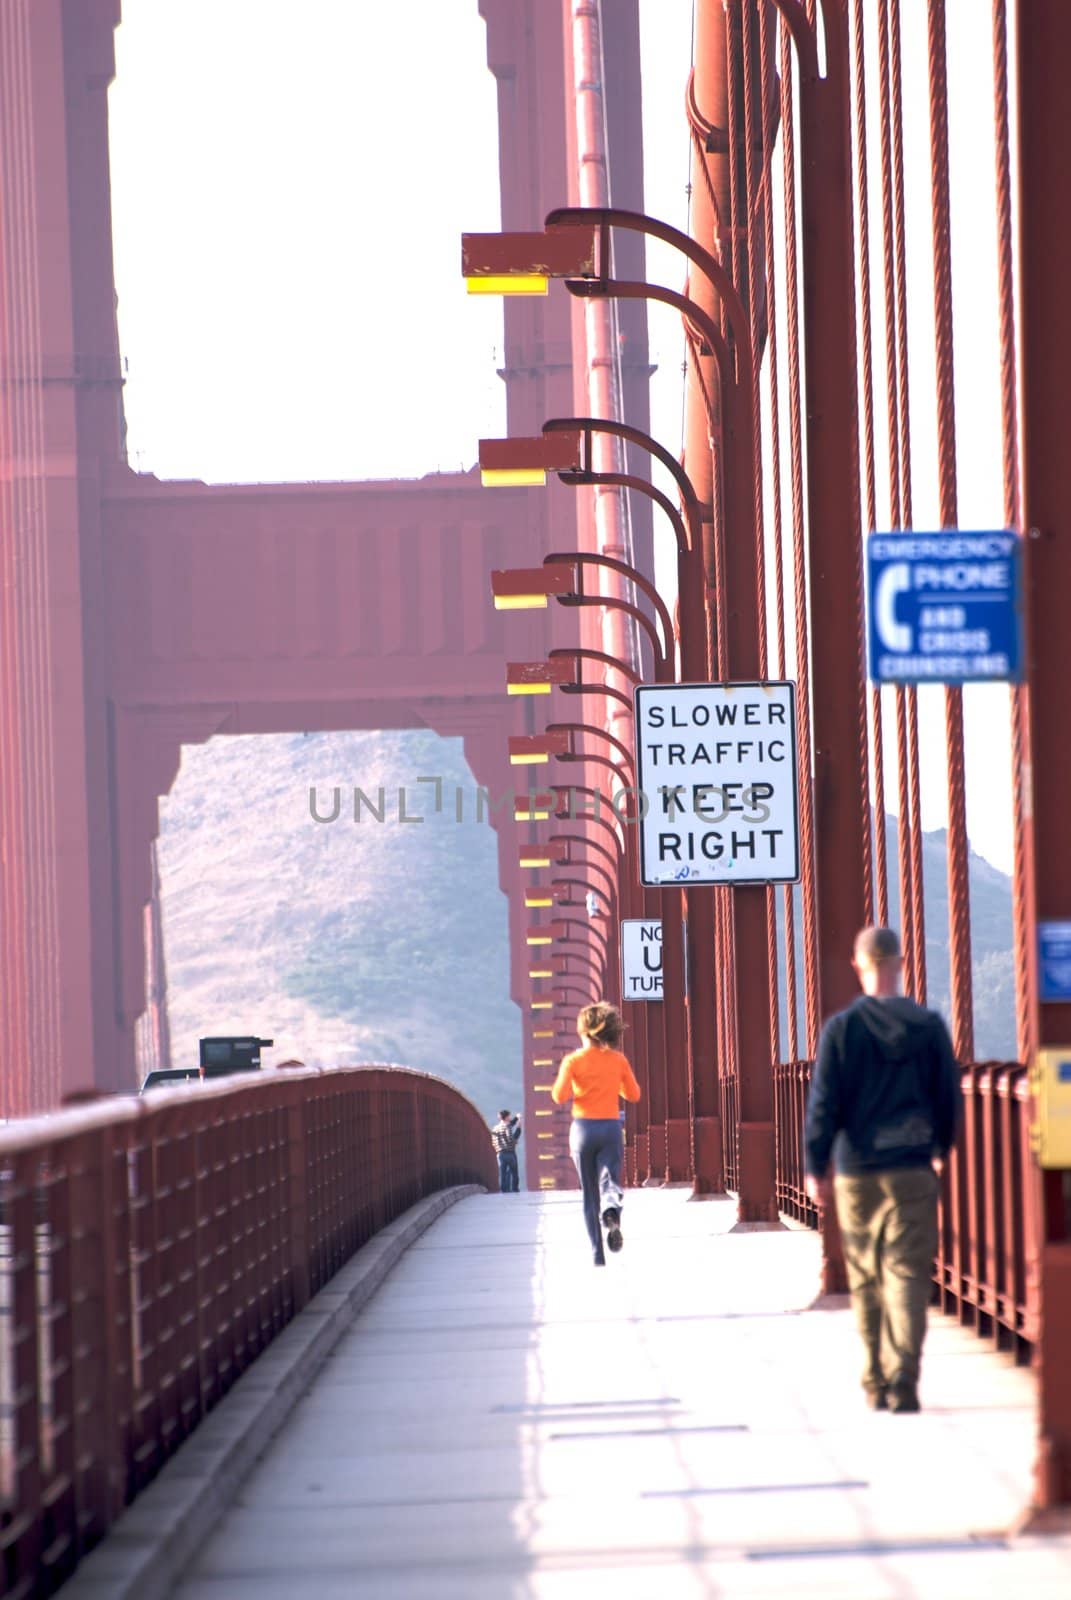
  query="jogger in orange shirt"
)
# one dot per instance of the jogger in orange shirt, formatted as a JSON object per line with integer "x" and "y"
{"x": 595, "y": 1077}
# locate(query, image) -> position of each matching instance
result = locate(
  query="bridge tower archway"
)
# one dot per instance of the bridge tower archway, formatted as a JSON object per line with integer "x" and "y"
{"x": 121, "y": 630}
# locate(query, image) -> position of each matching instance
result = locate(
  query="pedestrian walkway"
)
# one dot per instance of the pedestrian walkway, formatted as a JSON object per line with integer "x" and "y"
{"x": 505, "y": 1420}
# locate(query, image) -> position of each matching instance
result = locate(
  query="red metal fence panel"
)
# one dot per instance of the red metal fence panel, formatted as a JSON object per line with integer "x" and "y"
{"x": 150, "y": 1250}
{"x": 791, "y": 1081}
{"x": 988, "y": 1235}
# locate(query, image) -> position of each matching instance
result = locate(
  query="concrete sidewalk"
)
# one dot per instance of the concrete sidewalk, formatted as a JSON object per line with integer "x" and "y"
{"x": 504, "y": 1420}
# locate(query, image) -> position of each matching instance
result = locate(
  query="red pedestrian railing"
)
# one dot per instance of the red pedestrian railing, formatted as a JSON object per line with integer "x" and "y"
{"x": 729, "y": 1087}
{"x": 988, "y": 1226}
{"x": 151, "y": 1249}
{"x": 989, "y": 1222}
{"x": 791, "y": 1081}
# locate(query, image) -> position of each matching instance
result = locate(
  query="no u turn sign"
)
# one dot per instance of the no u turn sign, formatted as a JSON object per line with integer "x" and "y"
{"x": 717, "y": 768}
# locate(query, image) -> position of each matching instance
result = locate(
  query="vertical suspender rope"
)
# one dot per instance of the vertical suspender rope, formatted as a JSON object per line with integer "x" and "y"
{"x": 915, "y": 877}
{"x": 1026, "y": 1042}
{"x": 892, "y": 260}
{"x": 766, "y": 68}
{"x": 755, "y": 246}
{"x": 799, "y": 539}
{"x": 881, "y": 871}
{"x": 959, "y": 908}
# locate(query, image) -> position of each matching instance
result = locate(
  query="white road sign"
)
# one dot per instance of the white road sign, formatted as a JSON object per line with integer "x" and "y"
{"x": 641, "y": 959}
{"x": 717, "y": 773}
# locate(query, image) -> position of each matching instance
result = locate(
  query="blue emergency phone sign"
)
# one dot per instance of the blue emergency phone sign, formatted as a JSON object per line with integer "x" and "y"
{"x": 944, "y": 607}
{"x": 1054, "y": 960}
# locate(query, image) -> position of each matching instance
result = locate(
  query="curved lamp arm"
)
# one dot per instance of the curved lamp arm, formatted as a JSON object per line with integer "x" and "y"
{"x": 586, "y": 558}
{"x": 591, "y": 866}
{"x": 592, "y": 844}
{"x": 586, "y": 426}
{"x": 586, "y": 653}
{"x": 637, "y": 222}
{"x": 586, "y": 727}
{"x": 597, "y": 688}
{"x": 691, "y": 310}
{"x": 628, "y": 480}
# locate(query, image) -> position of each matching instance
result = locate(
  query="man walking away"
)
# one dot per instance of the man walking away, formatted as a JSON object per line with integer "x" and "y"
{"x": 884, "y": 1105}
{"x": 505, "y": 1136}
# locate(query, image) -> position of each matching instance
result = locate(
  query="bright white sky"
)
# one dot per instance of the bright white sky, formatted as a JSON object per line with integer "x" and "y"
{"x": 289, "y": 187}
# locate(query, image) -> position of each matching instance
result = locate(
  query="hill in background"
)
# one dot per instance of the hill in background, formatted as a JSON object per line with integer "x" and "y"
{"x": 991, "y": 941}
{"x": 387, "y": 941}
{"x": 344, "y": 942}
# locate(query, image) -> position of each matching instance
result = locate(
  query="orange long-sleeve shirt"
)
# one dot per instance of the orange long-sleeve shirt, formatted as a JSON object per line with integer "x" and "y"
{"x": 594, "y": 1077}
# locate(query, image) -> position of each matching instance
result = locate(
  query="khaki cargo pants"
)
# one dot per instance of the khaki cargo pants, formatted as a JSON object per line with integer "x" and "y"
{"x": 888, "y": 1221}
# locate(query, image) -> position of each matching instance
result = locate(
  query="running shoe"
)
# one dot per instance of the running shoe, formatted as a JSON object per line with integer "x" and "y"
{"x": 611, "y": 1221}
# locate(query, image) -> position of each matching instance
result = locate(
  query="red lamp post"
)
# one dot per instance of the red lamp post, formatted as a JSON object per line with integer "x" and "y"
{"x": 651, "y": 1159}
{"x": 733, "y": 572}
{"x": 515, "y": 589}
{"x": 651, "y": 1060}
{"x": 667, "y": 1153}
{"x": 692, "y": 534}
{"x": 676, "y": 1162}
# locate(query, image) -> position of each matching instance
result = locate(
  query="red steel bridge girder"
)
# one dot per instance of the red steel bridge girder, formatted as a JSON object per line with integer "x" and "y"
{"x": 76, "y": 868}
{"x": 1044, "y": 49}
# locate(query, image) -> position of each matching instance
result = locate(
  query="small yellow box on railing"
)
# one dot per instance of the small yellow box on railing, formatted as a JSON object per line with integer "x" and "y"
{"x": 1050, "y": 1084}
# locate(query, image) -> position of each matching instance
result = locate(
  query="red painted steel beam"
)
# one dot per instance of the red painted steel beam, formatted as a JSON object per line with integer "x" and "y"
{"x": 834, "y": 531}
{"x": 833, "y": 519}
{"x": 738, "y": 627}
{"x": 707, "y": 107}
{"x": 1044, "y": 49}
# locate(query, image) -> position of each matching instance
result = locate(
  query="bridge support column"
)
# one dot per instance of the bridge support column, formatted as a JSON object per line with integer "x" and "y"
{"x": 711, "y": 201}
{"x": 841, "y": 807}
{"x": 1044, "y": 44}
{"x": 58, "y": 406}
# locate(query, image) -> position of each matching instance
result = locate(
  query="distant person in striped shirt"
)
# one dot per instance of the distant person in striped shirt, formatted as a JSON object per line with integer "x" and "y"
{"x": 596, "y": 1078}
{"x": 506, "y": 1136}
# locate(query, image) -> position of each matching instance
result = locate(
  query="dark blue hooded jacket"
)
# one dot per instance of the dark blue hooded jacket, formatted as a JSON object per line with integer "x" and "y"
{"x": 886, "y": 1090}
